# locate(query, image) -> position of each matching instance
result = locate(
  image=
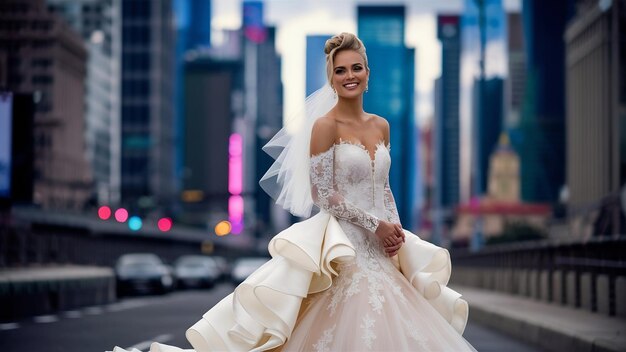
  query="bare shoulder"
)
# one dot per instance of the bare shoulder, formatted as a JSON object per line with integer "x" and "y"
{"x": 323, "y": 134}
{"x": 381, "y": 123}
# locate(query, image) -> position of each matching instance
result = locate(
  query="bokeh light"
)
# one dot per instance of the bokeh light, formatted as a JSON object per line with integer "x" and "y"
{"x": 104, "y": 212}
{"x": 121, "y": 215}
{"x": 164, "y": 224}
{"x": 135, "y": 223}
{"x": 222, "y": 228}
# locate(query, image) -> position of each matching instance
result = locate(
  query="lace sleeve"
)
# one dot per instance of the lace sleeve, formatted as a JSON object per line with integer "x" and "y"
{"x": 326, "y": 196}
{"x": 391, "y": 211}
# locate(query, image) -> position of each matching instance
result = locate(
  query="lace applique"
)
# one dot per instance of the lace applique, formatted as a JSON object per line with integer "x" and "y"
{"x": 322, "y": 345}
{"x": 391, "y": 211}
{"x": 370, "y": 267}
{"x": 326, "y": 196}
{"x": 416, "y": 334}
{"x": 368, "y": 332}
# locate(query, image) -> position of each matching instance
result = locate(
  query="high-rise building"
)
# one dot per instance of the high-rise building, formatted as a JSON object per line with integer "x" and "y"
{"x": 211, "y": 84}
{"x": 315, "y": 62}
{"x": 97, "y": 23}
{"x": 447, "y": 121}
{"x": 147, "y": 141}
{"x": 596, "y": 108}
{"x": 489, "y": 117}
{"x": 543, "y": 113}
{"x": 391, "y": 94}
{"x": 47, "y": 59}
{"x": 192, "y": 20}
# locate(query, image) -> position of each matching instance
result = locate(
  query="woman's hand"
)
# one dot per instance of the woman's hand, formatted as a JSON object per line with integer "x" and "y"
{"x": 391, "y": 235}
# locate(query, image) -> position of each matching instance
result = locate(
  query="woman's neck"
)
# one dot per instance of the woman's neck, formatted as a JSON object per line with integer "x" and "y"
{"x": 350, "y": 108}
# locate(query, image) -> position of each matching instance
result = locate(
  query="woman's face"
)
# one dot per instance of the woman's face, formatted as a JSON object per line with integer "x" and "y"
{"x": 350, "y": 75}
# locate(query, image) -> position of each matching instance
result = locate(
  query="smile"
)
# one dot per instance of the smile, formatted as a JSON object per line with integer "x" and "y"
{"x": 351, "y": 85}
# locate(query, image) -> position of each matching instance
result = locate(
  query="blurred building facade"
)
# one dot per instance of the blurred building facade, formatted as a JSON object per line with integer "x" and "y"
{"x": 446, "y": 138}
{"x": 97, "y": 21}
{"x": 489, "y": 118}
{"x": 501, "y": 206}
{"x": 192, "y": 21}
{"x": 596, "y": 112}
{"x": 211, "y": 84}
{"x": 269, "y": 120}
{"x": 515, "y": 84}
{"x": 315, "y": 62}
{"x": 543, "y": 114}
{"x": 391, "y": 95}
{"x": 46, "y": 58}
{"x": 147, "y": 103}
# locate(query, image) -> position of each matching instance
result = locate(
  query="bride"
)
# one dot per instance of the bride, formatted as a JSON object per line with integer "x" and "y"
{"x": 349, "y": 278}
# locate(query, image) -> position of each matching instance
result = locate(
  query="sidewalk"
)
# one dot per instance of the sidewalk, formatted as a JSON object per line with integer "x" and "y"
{"x": 46, "y": 289}
{"x": 552, "y": 327}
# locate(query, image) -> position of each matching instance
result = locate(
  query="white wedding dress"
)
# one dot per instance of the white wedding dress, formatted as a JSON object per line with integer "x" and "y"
{"x": 329, "y": 285}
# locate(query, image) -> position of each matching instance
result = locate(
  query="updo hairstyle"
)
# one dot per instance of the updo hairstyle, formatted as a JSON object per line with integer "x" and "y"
{"x": 343, "y": 41}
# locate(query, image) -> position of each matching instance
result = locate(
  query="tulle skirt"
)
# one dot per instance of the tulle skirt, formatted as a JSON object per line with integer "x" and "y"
{"x": 361, "y": 314}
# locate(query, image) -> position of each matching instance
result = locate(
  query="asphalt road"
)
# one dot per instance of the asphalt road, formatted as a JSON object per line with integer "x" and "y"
{"x": 137, "y": 321}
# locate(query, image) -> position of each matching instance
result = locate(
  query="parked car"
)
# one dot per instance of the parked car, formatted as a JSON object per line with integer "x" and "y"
{"x": 243, "y": 267}
{"x": 224, "y": 267}
{"x": 196, "y": 271}
{"x": 143, "y": 273}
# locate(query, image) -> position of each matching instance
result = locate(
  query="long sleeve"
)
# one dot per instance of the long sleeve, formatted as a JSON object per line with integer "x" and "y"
{"x": 391, "y": 211}
{"x": 326, "y": 196}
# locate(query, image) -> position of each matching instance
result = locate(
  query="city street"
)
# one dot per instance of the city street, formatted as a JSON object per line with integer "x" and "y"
{"x": 137, "y": 321}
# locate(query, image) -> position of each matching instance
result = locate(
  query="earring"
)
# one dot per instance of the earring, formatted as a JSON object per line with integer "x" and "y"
{"x": 334, "y": 94}
{"x": 367, "y": 87}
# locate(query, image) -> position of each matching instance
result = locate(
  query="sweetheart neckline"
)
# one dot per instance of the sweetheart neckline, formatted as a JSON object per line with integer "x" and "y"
{"x": 363, "y": 147}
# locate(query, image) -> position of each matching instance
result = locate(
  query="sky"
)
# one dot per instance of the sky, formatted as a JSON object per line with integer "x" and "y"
{"x": 295, "y": 19}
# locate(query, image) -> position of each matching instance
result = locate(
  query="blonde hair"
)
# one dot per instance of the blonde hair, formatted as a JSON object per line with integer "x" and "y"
{"x": 343, "y": 41}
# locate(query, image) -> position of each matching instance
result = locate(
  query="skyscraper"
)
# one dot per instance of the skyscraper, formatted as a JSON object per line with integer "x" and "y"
{"x": 596, "y": 111}
{"x": 97, "y": 23}
{"x": 47, "y": 59}
{"x": 447, "y": 122}
{"x": 446, "y": 126}
{"x": 489, "y": 118}
{"x": 391, "y": 94}
{"x": 192, "y": 19}
{"x": 147, "y": 104}
{"x": 543, "y": 113}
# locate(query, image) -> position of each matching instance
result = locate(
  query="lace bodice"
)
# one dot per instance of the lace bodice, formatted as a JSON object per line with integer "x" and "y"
{"x": 352, "y": 186}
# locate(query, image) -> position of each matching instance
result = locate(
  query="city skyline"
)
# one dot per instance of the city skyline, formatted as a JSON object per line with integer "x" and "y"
{"x": 295, "y": 20}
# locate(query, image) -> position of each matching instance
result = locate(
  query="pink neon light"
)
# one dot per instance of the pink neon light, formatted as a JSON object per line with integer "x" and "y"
{"x": 235, "y": 175}
{"x": 237, "y": 228}
{"x": 235, "y": 164}
{"x": 235, "y": 145}
{"x": 235, "y": 208}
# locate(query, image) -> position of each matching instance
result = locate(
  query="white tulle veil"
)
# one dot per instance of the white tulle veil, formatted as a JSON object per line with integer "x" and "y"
{"x": 287, "y": 180}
